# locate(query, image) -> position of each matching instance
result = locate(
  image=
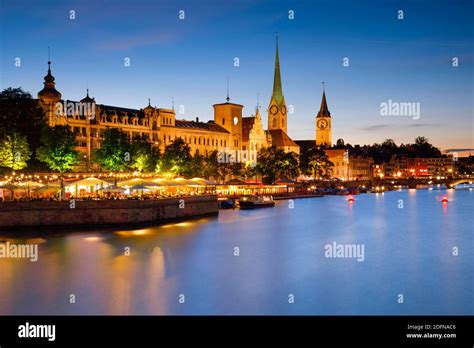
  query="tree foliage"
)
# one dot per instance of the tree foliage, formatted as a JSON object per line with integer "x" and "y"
{"x": 115, "y": 151}
{"x": 14, "y": 151}
{"x": 144, "y": 156}
{"x": 176, "y": 159}
{"x": 315, "y": 162}
{"x": 274, "y": 163}
{"x": 57, "y": 148}
{"x": 19, "y": 112}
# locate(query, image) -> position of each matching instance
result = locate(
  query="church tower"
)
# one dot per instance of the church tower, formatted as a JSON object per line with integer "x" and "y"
{"x": 229, "y": 116}
{"x": 323, "y": 124}
{"x": 49, "y": 96}
{"x": 277, "y": 111}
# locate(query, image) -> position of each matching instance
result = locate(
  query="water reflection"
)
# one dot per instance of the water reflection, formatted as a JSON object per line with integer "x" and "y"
{"x": 281, "y": 251}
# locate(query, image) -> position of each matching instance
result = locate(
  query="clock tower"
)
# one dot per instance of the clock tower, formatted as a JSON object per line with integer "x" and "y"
{"x": 323, "y": 124}
{"x": 277, "y": 111}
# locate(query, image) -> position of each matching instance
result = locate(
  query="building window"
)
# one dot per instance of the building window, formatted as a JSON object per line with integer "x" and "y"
{"x": 223, "y": 121}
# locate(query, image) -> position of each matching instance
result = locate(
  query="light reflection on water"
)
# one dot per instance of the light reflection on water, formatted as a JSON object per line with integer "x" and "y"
{"x": 407, "y": 251}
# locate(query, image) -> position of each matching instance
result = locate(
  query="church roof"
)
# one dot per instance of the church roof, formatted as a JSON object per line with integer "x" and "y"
{"x": 119, "y": 110}
{"x": 87, "y": 99}
{"x": 305, "y": 144}
{"x": 324, "y": 111}
{"x": 209, "y": 126}
{"x": 228, "y": 103}
{"x": 280, "y": 138}
{"x": 49, "y": 89}
{"x": 149, "y": 107}
{"x": 277, "y": 89}
{"x": 247, "y": 125}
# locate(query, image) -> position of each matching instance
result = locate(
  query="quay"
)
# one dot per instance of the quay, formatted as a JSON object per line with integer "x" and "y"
{"x": 14, "y": 214}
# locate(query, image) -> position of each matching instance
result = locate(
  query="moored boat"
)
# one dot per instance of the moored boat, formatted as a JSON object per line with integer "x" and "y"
{"x": 226, "y": 203}
{"x": 253, "y": 202}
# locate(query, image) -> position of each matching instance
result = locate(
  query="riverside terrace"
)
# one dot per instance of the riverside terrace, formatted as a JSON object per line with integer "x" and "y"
{"x": 123, "y": 186}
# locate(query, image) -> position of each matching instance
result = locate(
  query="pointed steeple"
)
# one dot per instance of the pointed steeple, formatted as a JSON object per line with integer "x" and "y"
{"x": 277, "y": 89}
{"x": 324, "y": 111}
{"x": 257, "y": 112}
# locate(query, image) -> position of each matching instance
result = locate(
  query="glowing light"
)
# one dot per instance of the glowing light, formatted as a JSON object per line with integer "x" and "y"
{"x": 92, "y": 239}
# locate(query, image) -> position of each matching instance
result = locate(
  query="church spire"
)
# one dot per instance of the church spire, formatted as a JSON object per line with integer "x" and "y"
{"x": 324, "y": 111}
{"x": 277, "y": 89}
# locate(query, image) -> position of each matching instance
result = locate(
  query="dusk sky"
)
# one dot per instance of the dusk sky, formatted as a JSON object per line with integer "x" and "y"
{"x": 409, "y": 60}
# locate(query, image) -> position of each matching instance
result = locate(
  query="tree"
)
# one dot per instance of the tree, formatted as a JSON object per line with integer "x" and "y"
{"x": 115, "y": 151}
{"x": 19, "y": 112}
{"x": 14, "y": 151}
{"x": 195, "y": 168}
{"x": 274, "y": 163}
{"x": 422, "y": 148}
{"x": 211, "y": 165}
{"x": 144, "y": 155}
{"x": 57, "y": 150}
{"x": 176, "y": 159}
{"x": 316, "y": 163}
{"x": 289, "y": 165}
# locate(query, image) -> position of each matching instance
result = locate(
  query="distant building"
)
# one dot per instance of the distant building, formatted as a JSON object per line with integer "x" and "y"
{"x": 277, "y": 113}
{"x": 397, "y": 166}
{"x": 360, "y": 168}
{"x": 378, "y": 170}
{"x": 417, "y": 167}
{"x": 348, "y": 167}
{"x": 228, "y": 132}
{"x": 340, "y": 159}
{"x": 323, "y": 124}
{"x": 254, "y": 136}
{"x": 442, "y": 166}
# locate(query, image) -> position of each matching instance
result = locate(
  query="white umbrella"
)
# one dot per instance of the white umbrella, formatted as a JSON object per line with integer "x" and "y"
{"x": 112, "y": 189}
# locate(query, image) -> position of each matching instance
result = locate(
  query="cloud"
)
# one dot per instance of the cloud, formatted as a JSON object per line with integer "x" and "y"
{"x": 459, "y": 150}
{"x": 375, "y": 127}
{"x": 138, "y": 40}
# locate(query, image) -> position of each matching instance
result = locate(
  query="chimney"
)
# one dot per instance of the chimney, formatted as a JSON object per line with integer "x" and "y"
{"x": 197, "y": 119}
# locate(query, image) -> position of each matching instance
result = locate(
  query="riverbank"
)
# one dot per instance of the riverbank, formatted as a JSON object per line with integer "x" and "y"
{"x": 104, "y": 212}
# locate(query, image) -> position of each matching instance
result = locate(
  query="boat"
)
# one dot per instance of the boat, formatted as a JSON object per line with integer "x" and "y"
{"x": 226, "y": 203}
{"x": 342, "y": 192}
{"x": 253, "y": 202}
{"x": 353, "y": 191}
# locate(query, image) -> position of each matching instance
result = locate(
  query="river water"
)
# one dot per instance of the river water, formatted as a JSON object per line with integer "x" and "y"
{"x": 417, "y": 259}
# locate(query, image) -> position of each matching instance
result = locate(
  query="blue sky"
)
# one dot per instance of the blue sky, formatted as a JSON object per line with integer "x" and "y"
{"x": 407, "y": 60}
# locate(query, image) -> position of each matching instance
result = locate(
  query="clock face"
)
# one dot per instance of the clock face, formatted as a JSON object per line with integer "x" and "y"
{"x": 283, "y": 110}
{"x": 322, "y": 124}
{"x": 236, "y": 120}
{"x": 274, "y": 109}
